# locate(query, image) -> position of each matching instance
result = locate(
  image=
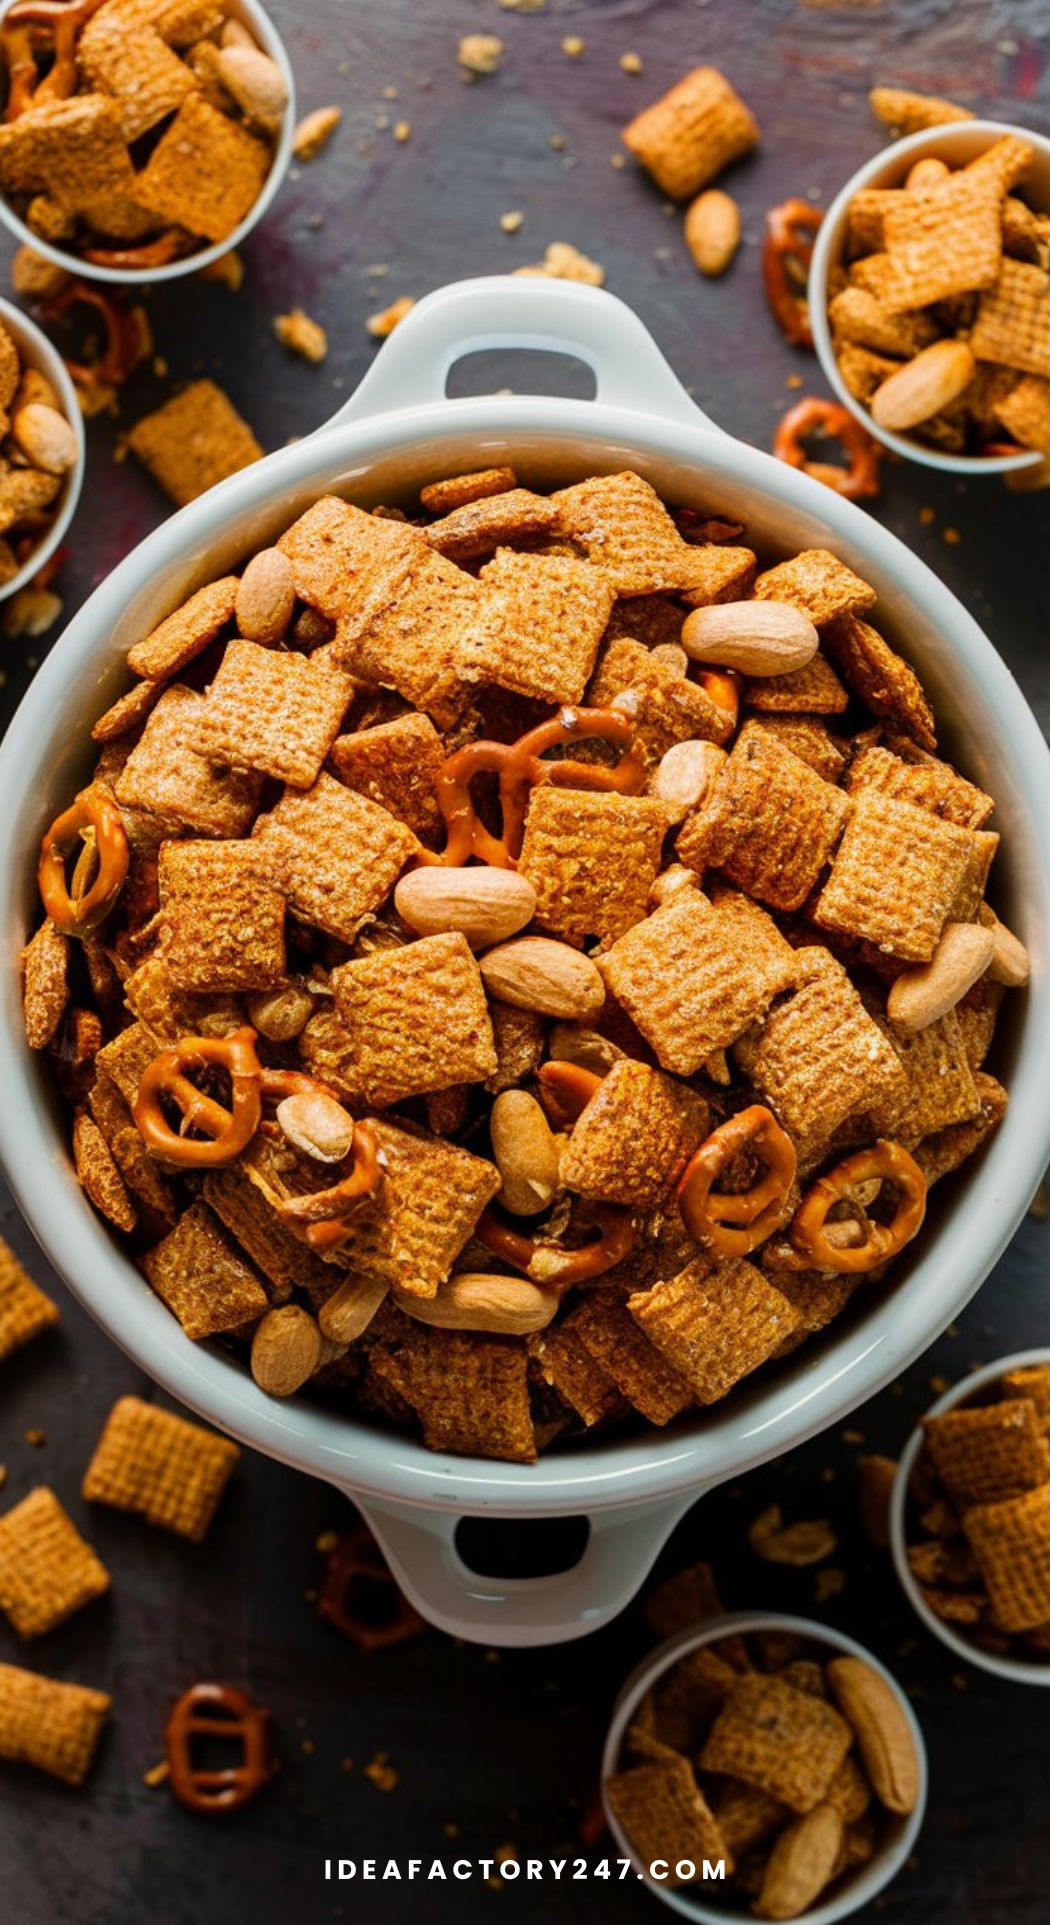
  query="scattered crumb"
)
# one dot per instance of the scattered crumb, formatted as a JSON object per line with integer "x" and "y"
{"x": 32, "y": 611}
{"x": 35, "y": 277}
{"x": 939, "y": 1385}
{"x": 228, "y": 270}
{"x": 619, "y": 161}
{"x": 389, "y": 93}
{"x": 853, "y": 1437}
{"x": 301, "y": 334}
{"x": 927, "y": 516}
{"x": 632, "y": 63}
{"x": 511, "y": 222}
{"x": 382, "y": 1772}
{"x": 1040, "y": 1205}
{"x": 36, "y": 1438}
{"x": 346, "y": 1764}
{"x": 308, "y": 1747}
{"x": 564, "y": 262}
{"x": 951, "y": 537}
{"x": 315, "y": 131}
{"x": 3, "y": 1475}
{"x": 557, "y": 141}
{"x": 480, "y": 53}
{"x": 828, "y": 1584}
{"x": 960, "y": 1682}
{"x": 794, "y": 381}
{"x": 403, "y": 131}
{"x": 573, "y": 46}
{"x": 384, "y": 323}
{"x": 326, "y": 1543}
{"x": 160, "y": 367}
{"x": 503, "y": 1853}
{"x": 522, "y": 6}
{"x": 156, "y": 1774}
{"x": 451, "y": 1830}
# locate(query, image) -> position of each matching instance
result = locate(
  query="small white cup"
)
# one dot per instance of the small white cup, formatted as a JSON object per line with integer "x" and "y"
{"x": 1019, "y": 1670}
{"x": 957, "y": 144}
{"x": 36, "y": 351}
{"x": 900, "y": 1833}
{"x": 265, "y": 33}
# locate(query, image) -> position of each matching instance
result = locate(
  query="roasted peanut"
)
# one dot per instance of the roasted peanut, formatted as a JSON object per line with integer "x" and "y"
{"x": 800, "y": 1864}
{"x": 265, "y": 597}
{"x": 684, "y": 775}
{"x": 547, "y": 976}
{"x": 256, "y": 83}
{"x": 281, "y": 1014}
{"x": 712, "y": 231}
{"x": 924, "y": 386}
{"x": 350, "y": 1309}
{"x": 921, "y": 996}
{"x": 526, "y": 1153}
{"x": 286, "y": 1350}
{"x": 758, "y": 638}
{"x": 505, "y": 1306}
{"x": 884, "y": 1739}
{"x": 317, "y": 1125}
{"x": 485, "y": 905}
{"x": 46, "y": 437}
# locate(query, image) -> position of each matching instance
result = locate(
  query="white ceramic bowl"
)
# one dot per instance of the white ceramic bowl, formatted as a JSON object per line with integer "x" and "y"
{"x": 265, "y": 34}
{"x": 397, "y": 431}
{"x": 1019, "y": 1670}
{"x": 899, "y": 1833}
{"x": 957, "y": 144}
{"x": 36, "y": 351}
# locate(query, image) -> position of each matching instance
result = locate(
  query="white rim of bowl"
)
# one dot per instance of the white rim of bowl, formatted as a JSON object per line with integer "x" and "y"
{"x": 932, "y": 140}
{"x": 37, "y": 351}
{"x": 1018, "y": 1670}
{"x": 869, "y": 1879}
{"x": 262, "y": 27}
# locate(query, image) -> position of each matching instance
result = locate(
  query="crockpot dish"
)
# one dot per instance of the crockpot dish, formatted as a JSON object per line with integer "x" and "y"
{"x": 519, "y": 967}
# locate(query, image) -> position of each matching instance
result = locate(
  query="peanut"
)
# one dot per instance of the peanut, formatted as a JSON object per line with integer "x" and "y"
{"x": 684, "y": 775}
{"x": 265, "y": 597}
{"x": 317, "y": 1125}
{"x": 537, "y": 973}
{"x": 920, "y": 996}
{"x": 485, "y": 905}
{"x": 712, "y": 231}
{"x": 571, "y": 1043}
{"x": 526, "y": 1153}
{"x": 800, "y": 1864}
{"x": 506, "y": 1306}
{"x": 923, "y": 386}
{"x": 350, "y": 1309}
{"x": 928, "y": 172}
{"x": 281, "y": 1014}
{"x": 286, "y": 1350}
{"x": 759, "y": 638}
{"x": 1011, "y": 964}
{"x": 46, "y": 437}
{"x": 884, "y": 1739}
{"x": 256, "y": 83}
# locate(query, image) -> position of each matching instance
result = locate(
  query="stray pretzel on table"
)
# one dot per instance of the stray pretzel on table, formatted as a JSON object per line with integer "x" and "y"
{"x": 859, "y": 479}
{"x": 786, "y": 255}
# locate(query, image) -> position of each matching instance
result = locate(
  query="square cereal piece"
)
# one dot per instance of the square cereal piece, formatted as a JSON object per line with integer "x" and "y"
{"x": 152, "y": 995}
{"x": 685, "y": 1699}
{"x": 132, "y": 63}
{"x": 543, "y": 617}
{"x": 426, "y": 635}
{"x": 818, "y": 1296}
{"x": 166, "y": 777}
{"x": 721, "y": 572}
{"x": 895, "y": 876}
{"x": 458, "y": 491}
{"x": 715, "y": 1323}
{"x": 396, "y": 764}
{"x": 940, "y": 1087}
{"x": 921, "y": 779}
{"x": 520, "y": 1036}
{"x": 978, "y": 1013}
{"x": 809, "y": 739}
{"x": 813, "y": 690}
{"x": 626, "y": 532}
{"x": 969, "y": 897}
{"x": 989, "y": 1452}
{"x": 863, "y": 371}
{"x": 74, "y": 152}
{"x": 885, "y": 682}
{"x": 683, "y": 1600}
{"x": 693, "y": 976}
{"x": 205, "y": 173}
{"x": 284, "y": 1260}
{"x": 46, "y": 1570}
{"x": 592, "y": 860}
{"x": 904, "y": 112}
{"x": 819, "y": 1057}
{"x": 609, "y": 1334}
{"x": 747, "y": 1815}
{"x": 221, "y": 920}
{"x": 348, "y": 564}
{"x": 333, "y": 853}
{"x": 98, "y": 1175}
{"x": 665, "y": 1816}
{"x": 272, "y": 712}
{"x": 769, "y": 822}
{"x": 470, "y": 1393}
{"x": 652, "y": 620}
{"x": 666, "y": 706}
{"x": 194, "y": 441}
{"x": 818, "y": 583}
{"x": 430, "y": 1198}
{"x": 169, "y": 1471}
{"x": 946, "y": 1150}
{"x": 51, "y": 1725}
{"x": 1011, "y": 1542}
{"x": 783, "y": 1740}
{"x": 1003, "y": 164}
{"x": 1025, "y": 412}
{"x": 635, "y": 1137}
{"x": 45, "y": 964}
{"x": 1013, "y": 319}
{"x": 1032, "y": 1382}
{"x": 560, "y": 1360}
{"x": 25, "y": 1311}
{"x": 138, "y": 1169}
{"x": 126, "y": 1059}
{"x": 694, "y": 130}
{"x": 201, "y": 1278}
{"x": 945, "y": 241}
{"x": 416, "y": 1018}
{"x": 186, "y": 631}
{"x": 509, "y": 519}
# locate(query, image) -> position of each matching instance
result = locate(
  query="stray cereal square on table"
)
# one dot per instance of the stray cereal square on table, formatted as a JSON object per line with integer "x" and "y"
{"x": 170, "y": 1471}
{"x": 49, "y": 1724}
{"x": 194, "y": 441}
{"x": 47, "y": 1571}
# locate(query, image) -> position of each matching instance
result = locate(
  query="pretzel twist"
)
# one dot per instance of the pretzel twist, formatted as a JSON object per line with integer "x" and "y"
{"x": 565, "y": 1090}
{"x": 80, "y": 906}
{"x": 548, "y": 1263}
{"x": 226, "y": 1132}
{"x": 890, "y": 1163}
{"x": 710, "y": 1215}
{"x": 218, "y": 1711}
{"x": 859, "y": 479}
{"x": 786, "y": 255}
{"x": 324, "y": 1216}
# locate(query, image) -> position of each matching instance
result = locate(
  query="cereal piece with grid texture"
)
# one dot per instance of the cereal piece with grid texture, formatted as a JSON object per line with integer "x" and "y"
{"x": 46, "y": 1570}
{"x": 425, "y": 637}
{"x": 132, "y": 63}
{"x": 819, "y": 1057}
{"x": 666, "y": 706}
{"x": 98, "y": 1175}
{"x": 1013, "y": 319}
{"x": 684, "y": 1701}
{"x": 904, "y": 112}
{"x": 334, "y": 854}
{"x": 1025, "y": 412}
{"x": 194, "y": 441}
{"x": 166, "y": 777}
{"x": 560, "y": 1360}
{"x": 625, "y": 531}
{"x": 544, "y": 616}
{"x": 945, "y": 241}
{"x": 783, "y": 1740}
{"x": 196, "y": 1271}
{"x": 747, "y": 1815}
{"x": 510, "y": 519}
{"x": 1032, "y": 1382}
{"x": 682, "y": 1600}
{"x": 940, "y": 1154}
{"x": 25, "y": 1310}
{"x": 519, "y": 1036}
{"x": 989, "y": 1452}
{"x": 769, "y": 823}
{"x": 45, "y": 983}
{"x": 139, "y": 1171}
{"x": 396, "y": 764}
{"x": 924, "y": 780}
{"x": 817, "y": 1296}
{"x": 592, "y": 860}
{"x": 635, "y": 1137}
{"x": 152, "y": 995}
{"x": 715, "y": 1323}
{"x": 604, "y": 1326}
{"x": 186, "y": 631}
{"x": 51, "y": 1725}
{"x": 885, "y": 682}
{"x": 654, "y": 620}
{"x": 1003, "y": 164}
{"x": 666, "y": 1817}
{"x": 969, "y": 897}
{"x": 417, "y": 1018}
{"x": 74, "y": 152}
{"x": 721, "y": 572}
{"x": 284, "y": 1260}
{"x": 458, "y": 491}
{"x": 348, "y": 564}
{"x": 818, "y": 583}
{"x": 469, "y": 1393}
{"x": 809, "y": 739}
{"x": 978, "y": 1013}
{"x": 1011, "y": 1542}
{"x": 221, "y": 920}
{"x": 813, "y": 690}
{"x": 863, "y": 371}
{"x": 169, "y": 1471}
{"x": 895, "y": 876}
{"x": 272, "y": 712}
{"x": 127, "y": 714}
{"x": 691, "y": 133}
{"x": 427, "y": 1205}
{"x": 126, "y": 1059}
{"x": 205, "y": 173}
{"x": 940, "y": 1087}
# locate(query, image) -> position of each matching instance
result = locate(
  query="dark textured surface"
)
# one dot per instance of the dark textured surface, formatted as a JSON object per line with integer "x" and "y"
{"x": 505, "y": 1746}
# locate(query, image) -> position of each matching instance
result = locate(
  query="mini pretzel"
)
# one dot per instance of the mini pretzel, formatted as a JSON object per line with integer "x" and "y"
{"x": 127, "y": 338}
{"x": 811, "y": 1234}
{"x": 328, "y": 1212}
{"x": 786, "y": 255}
{"x": 358, "y": 1557}
{"x": 813, "y": 415}
{"x": 566, "y": 1090}
{"x": 218, "y": 1711}
{"x": 548, "y": 1263}
{"x": 228, "y": 1132}
{"x": 708, "y": 1213}
{"x": 81, "y": 906}
{"x": 64, "y": 19}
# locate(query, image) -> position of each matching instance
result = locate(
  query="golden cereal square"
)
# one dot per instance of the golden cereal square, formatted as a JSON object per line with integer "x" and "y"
{"x": 423, "y": 636}
{"x": 430, "y": 1198}
{"x": 769, "y": 822}
{"x": 592, "y": 860}
{"x": 692, "y": 132}
{"x": 602, "y": 1323}
{"x": 626, "y": 532}
{"x": 25, "y": 1311}
{"x": 46, "y": 1570}
{"x": 1013, "y": 319}
{"x": 968, "y": 899}
{"x": 148, "y": 80}
{"x": 519, "y": 1036}
{"x": 666, "y": 1817}
{"x": 348, "y": 564}
{"x": 1032, "y": 1382}
{"x": 989, "y": 1452}
{"x": 169, "y": 1471}
{"x": 813, "y": 690}
{"x": 196, "y": 1271}
{"x": 693, "y": 976}
{"x": 715, "y": 1323}
{"x": 652, "y": 620}
{"x": 666, "y": 707}
{"x": 940, "y": 1087}
{"x": 978, "y": 1013}
{"x": 721, "y": 572}
{"x": 186, "y": 631}
{"x": 152, "y": 995}
{"x": 924, "y": 780}
{"x": 945, "y": 241}
{"x": 221, "y": 920}
{"x": 283, "y": 1259}
{"x": 98, "y": 1175}
{"x": 506, "y": 520}
{"x": 416, "y": 1017}
{"x": 818, "y": 1296}
{"x": 470, "y": 1393}
{"x": 74, "y": 152}
{"x": 543, "y": 618}
{"x": 895, "y": 876}
{"x": 194, "y": 441}
{"x": 818, "y": 583}
{"x": 45, "y": 964}
{"x": 811, "y": 740}
{"x": 747, "y": 1815}
{"x": 905, "y": 112}
{"x": 334, "y": 854}
{"x": 783, "y": 1740}
{"x": 51, "y": 1725}
{"x": 205, "y": 173}
{"x": 396, "y": 764}
{"x": 635, "y": 1137}
{"x": 683, "y": 1600}
{"x": 126, "y": 1059}
{"x": 165, "y": 776}
{"x": 138, "y": 1169}
{"x": 272, "y": 712}
{"x": 863, "y": 371}
{"x": 1011, "y": 1542}
{"x": 560, "y": 1360}
{"x": 1025, "y": 412}
{"x": 458, "y": 491}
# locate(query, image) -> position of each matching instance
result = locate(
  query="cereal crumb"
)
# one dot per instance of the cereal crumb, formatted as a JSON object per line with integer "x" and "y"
{"x": 157, "y": 1774}
{"x": 36, "y": 1438}
{"x": 828, "y": 1584}
{"x": 511, "y": 222}
{"x": 451, "y": 1830}
{"x": 939, "y": 1385}
{"x": 564, "y": 262}
{"x": 228, "y": 270}
{"x": 927, "y": 516}
{"x": 315, "y": 131}
{"x": 573, "y": 46}
{"x": 619, "y": 161}
{"x": 951, "y": 537}
{"x": 3, "y": 1475}
{"x": 326, "y": 1542}
{"x": 382, "y": 1773}
{"x": 32, "y": 611}
{"x": 303, "y": 335}
{"x": 346, "y": 1764}
{"x": 308, "y": 1747}
{"x": 403, "y": 131}
{"x": 794, "y": 381}
{"x": 480, "y": 53}
{"x": 384, "y": 323}
{"x": 632, "y": 63}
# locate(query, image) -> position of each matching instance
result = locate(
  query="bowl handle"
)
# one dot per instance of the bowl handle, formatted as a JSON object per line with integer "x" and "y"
{"x": 504, "y": 311}
{"x": 420, "y": 1548}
